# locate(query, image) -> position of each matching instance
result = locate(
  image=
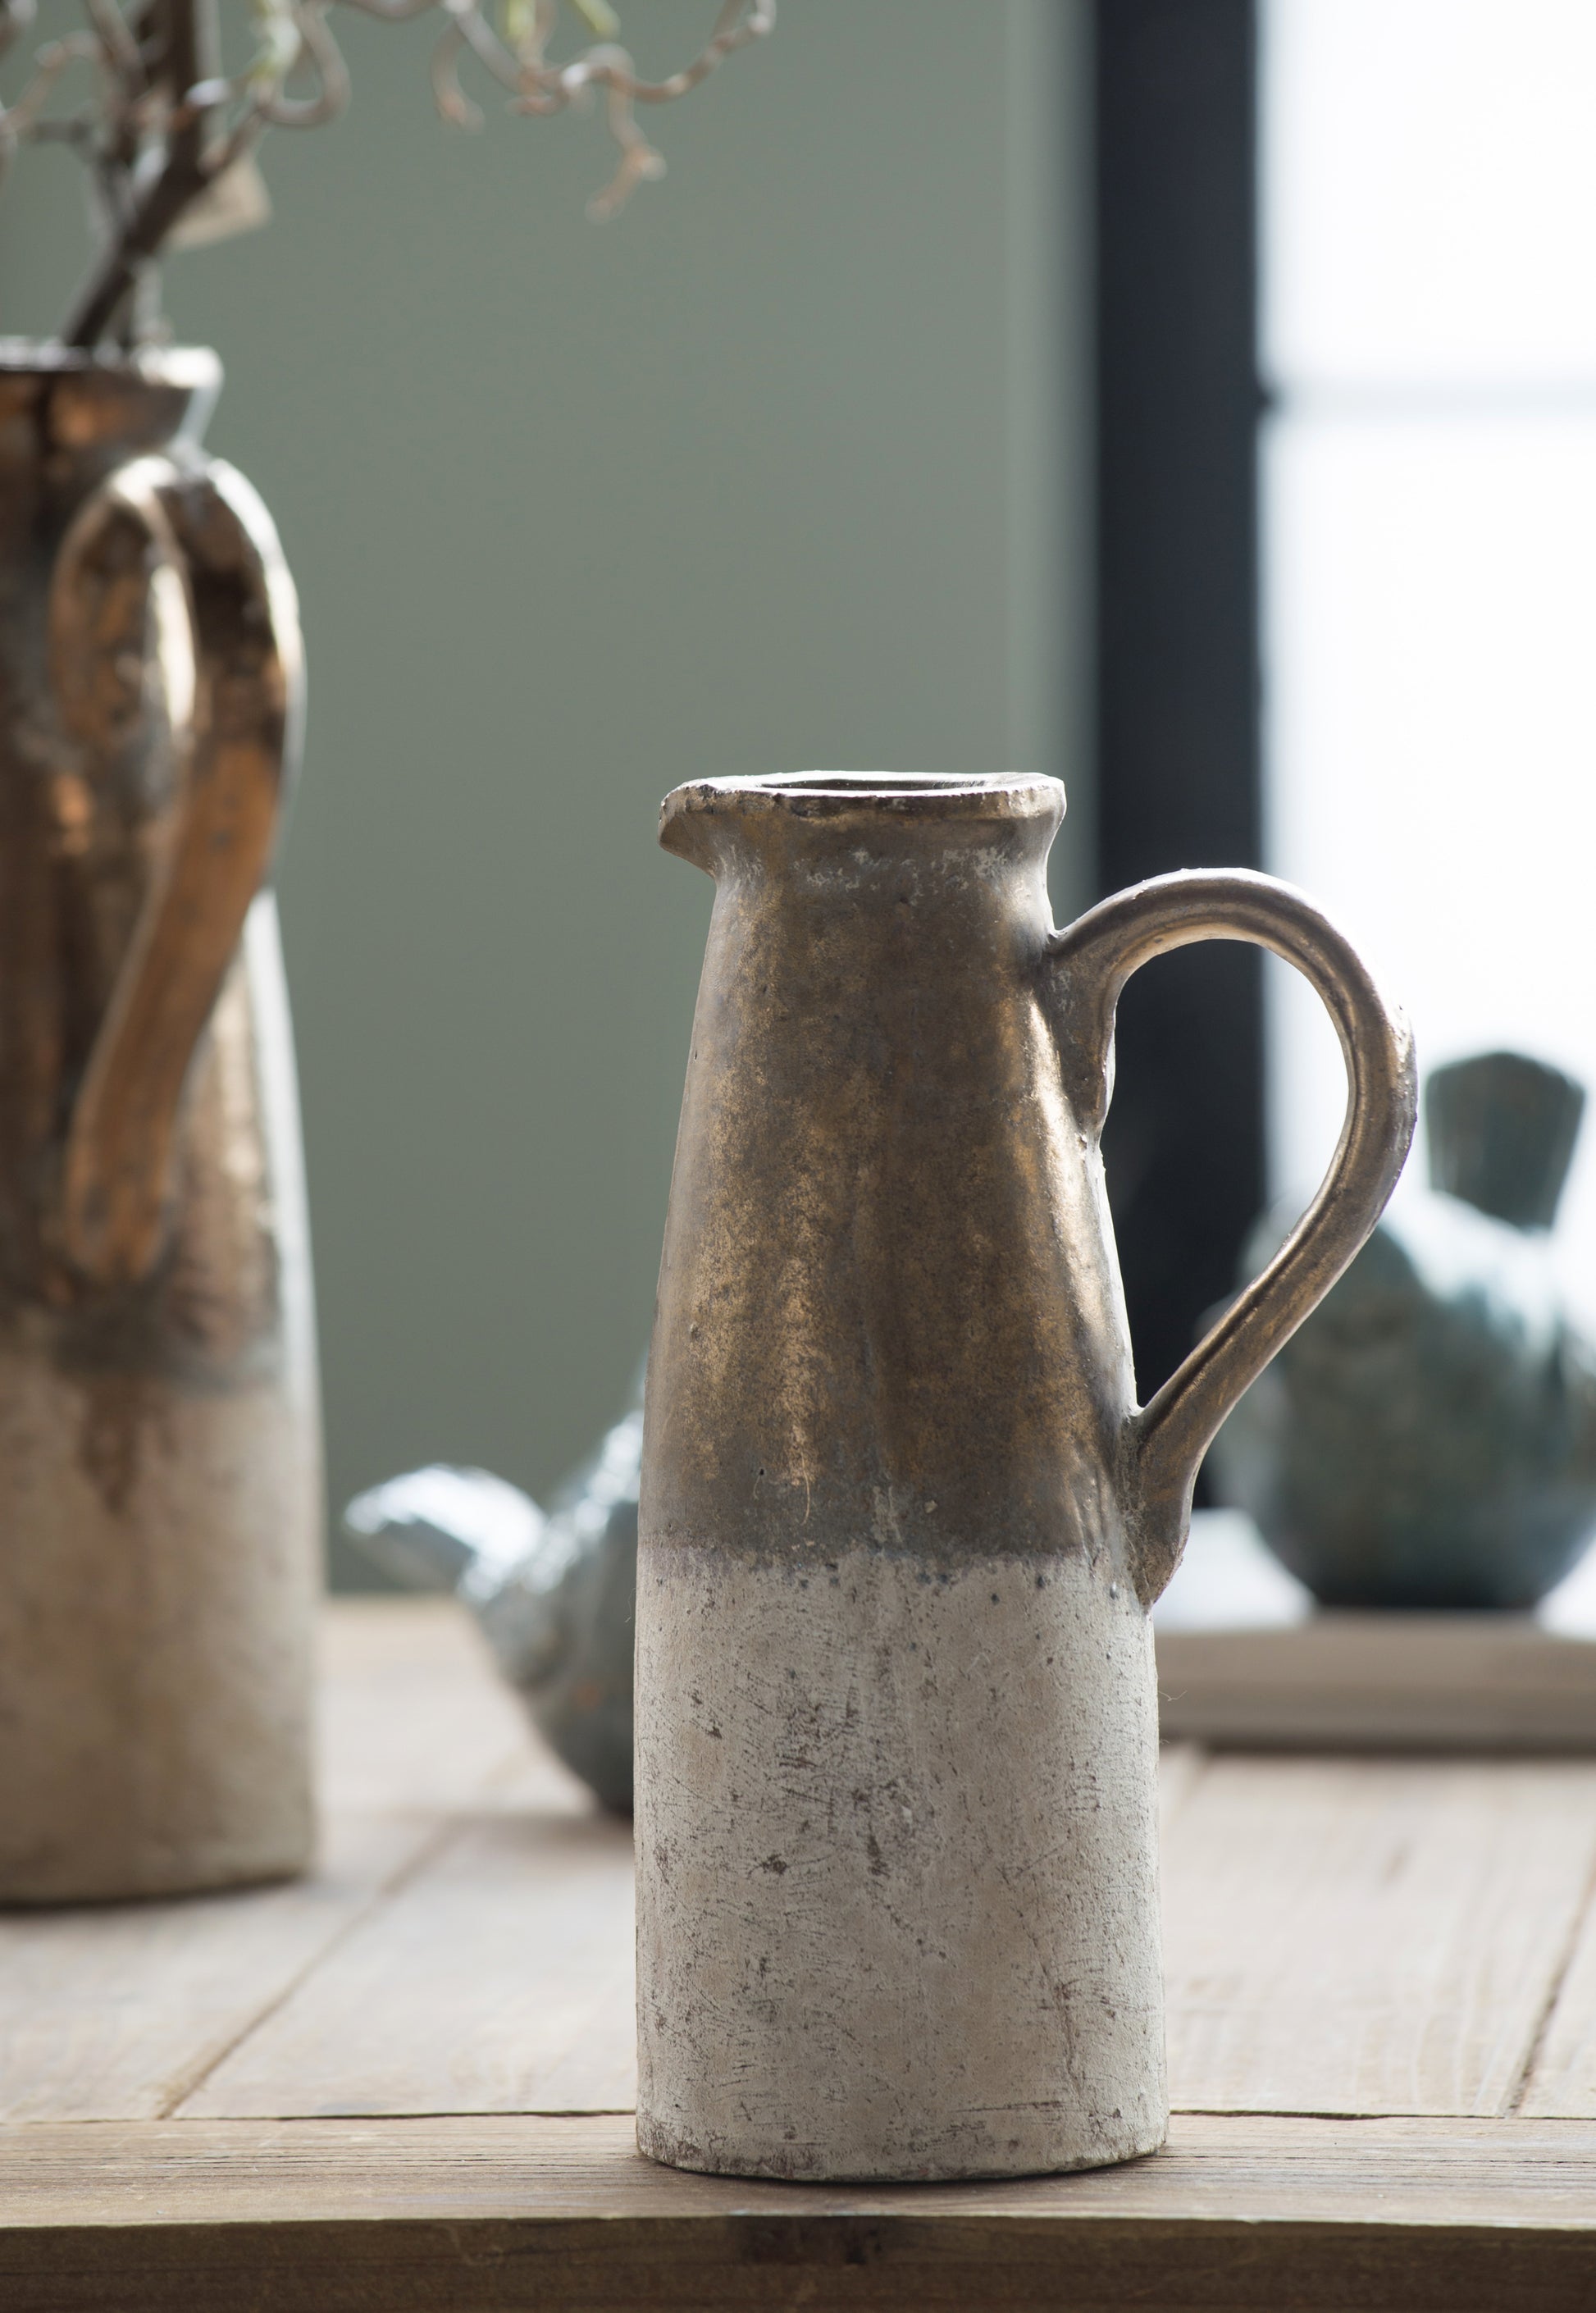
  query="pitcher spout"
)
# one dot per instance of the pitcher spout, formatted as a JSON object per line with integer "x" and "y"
{"x": 689, "y": 824}
{"x": 873, "y": 816}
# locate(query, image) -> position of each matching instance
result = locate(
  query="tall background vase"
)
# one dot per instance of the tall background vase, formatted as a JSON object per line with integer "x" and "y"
{"x": 159, "y": 1427}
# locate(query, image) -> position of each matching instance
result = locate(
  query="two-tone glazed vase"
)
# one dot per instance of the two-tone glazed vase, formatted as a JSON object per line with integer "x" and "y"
{"x": 902, "y": 1519}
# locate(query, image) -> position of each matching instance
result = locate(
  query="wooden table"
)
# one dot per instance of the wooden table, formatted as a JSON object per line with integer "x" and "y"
{"x": 405, "y": 2083}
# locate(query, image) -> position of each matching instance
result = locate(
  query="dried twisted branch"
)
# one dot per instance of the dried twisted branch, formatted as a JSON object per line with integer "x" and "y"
{"x": 164, "y": 124}
{"x": 520, "y": 63}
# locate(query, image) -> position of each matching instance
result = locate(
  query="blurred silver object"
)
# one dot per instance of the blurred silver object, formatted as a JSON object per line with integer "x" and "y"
{"x": 554, "y": 1590}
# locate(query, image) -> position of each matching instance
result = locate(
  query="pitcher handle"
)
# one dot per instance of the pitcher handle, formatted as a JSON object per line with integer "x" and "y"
{"x": 182, "y": 544}
{"x": 1166, "y": 1439}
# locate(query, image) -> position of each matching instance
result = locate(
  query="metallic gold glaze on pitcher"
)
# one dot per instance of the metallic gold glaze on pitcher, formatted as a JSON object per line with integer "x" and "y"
{"x": 902, "y": 1519}
{"x": 158, "y": 1428}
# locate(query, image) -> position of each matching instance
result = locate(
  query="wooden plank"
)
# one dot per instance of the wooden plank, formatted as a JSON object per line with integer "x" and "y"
{"x": 115, "y": 2013}
{"x": 1261, "y": 2169}
{"x": 1179, "y": 1764}
{"x": 1382, "y": 1682}
{"x": 412, "y": 1714}
{"x": 1374, "y": 1937}
{"x": 1562, "y": 2081}
{"x": 118, "y": 2012}
{"x": 474, "y": 2216}
{"x": 498, "y": 1979}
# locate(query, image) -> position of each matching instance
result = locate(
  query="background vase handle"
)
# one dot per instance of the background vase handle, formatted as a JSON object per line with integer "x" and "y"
{"x": 173, "y": 561}
{"x": 1167, "y": 1439}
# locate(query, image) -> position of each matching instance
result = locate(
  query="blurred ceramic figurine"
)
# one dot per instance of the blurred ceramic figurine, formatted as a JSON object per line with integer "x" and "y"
{"x": 553, "y": 1590}
{"x": 1428, "y": 1438}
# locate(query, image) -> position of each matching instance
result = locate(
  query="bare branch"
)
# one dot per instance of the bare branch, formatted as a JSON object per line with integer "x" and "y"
{"x": 543, "y": 87}
{"x": 167, "y": 120}
{"x": 638, "y": 159}
{"x": 317, "y": 49}
{"x": 453, "y": 104}
{"x": 468, "y": 21}
{"x": 22, "y": 120}
{"x": 740, "y": 22}
{"x": 117, "y": 43}
{"x": 392, "y": 12}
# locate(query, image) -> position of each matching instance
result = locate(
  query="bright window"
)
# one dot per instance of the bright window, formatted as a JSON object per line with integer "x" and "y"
{"x": 1428, "y": 211}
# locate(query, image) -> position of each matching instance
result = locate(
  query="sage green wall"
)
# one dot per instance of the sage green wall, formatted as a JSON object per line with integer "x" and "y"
{"x": 778, "y": 470}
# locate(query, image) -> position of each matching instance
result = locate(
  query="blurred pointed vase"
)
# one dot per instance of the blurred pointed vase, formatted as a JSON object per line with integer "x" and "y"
{"x": 158, "y": 1430}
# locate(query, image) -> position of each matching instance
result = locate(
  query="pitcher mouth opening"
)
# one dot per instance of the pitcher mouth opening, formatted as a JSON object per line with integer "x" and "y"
{"x": 877, "y": 782}
{"x": 826, "y": 794}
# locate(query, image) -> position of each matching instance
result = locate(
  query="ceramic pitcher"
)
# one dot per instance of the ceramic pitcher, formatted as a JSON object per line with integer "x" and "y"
{"x": 902, "y": 1519}
{"x": 159, "y": 1438}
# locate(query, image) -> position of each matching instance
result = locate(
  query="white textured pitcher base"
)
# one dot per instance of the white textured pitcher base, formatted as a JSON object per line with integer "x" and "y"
{"x": 960, "y": 2167}
{"x": 897, "y": 1868}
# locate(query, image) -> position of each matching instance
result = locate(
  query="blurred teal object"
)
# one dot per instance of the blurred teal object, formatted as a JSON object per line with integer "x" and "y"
{"x": 554, "y": 1590}
{"x": 1428, "y": 1438}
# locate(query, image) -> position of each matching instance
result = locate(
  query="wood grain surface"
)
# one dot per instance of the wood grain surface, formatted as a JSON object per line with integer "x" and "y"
{"x": 497, "y": 1979}
{"x": 1374, "y": 1937}
{"x": 411, "y": 1712}
{"x": 115, "y": 2013}
{"x": 118, "y": 2011}
{"x": 474, "y": 2216}
{"x": 1561, "y": 2083}
{"x": 1370, "y": 1936}
{"x": 1241, "y": 2166}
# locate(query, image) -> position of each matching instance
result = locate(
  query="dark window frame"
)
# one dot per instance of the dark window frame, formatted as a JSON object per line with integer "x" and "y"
{"x": 1177, "y": 659}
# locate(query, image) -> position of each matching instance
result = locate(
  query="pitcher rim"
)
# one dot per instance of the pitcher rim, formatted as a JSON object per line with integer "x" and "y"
{"x": 832, "y": 795}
